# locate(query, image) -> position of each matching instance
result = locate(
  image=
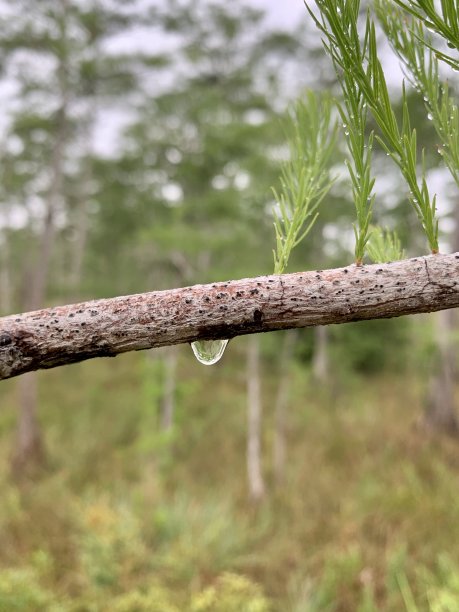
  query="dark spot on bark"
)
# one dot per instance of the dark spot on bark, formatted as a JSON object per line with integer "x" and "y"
{"x": 318, "y": 276}
{"x": 257, "y": 316}
{"x": 17, "y": 320}
{"x": 345, "y": 270}
{"x": 200, "y": 311}
{"x": 5, "y": 339}
{"x": 188, "y": 301}
{"x": 239, "y": 293}
{"x": 94, "y": 313}
{"x": 71, "y": 315}
{"x": 379, "y": 270}
{"x": 253, "y": 291}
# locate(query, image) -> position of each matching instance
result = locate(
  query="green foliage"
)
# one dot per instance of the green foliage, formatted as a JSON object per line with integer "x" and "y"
{"x": 354, "y": 113}
{"x": 114, "y": 531}
{"x": 20, "y": 590}
{"x": 305, "y": 179}
{"x": 413, "y": 46}
{"x": 359, "y": 61}
{"x": 358, "y": 346}
{"x": 442, "y": 18}
{"x": 384, "y": 246}
{"x": 231, "y": 593}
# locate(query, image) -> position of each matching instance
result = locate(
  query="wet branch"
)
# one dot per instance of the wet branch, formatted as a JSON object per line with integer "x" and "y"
{"x": 104, "y": 328}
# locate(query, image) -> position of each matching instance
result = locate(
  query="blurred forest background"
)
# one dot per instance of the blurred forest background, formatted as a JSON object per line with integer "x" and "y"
{"x": 308, "y": 470}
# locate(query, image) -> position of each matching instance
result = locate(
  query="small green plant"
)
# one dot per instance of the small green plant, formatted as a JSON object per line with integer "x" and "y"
{"x": 231, "y": 593}
{"x": 304, "y": 178}
{"x": 384, "y": 246}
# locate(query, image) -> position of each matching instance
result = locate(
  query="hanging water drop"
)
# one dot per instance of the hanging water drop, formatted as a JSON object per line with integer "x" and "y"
{"x": 429, "y": 116}
{"x": 208, "y": 352}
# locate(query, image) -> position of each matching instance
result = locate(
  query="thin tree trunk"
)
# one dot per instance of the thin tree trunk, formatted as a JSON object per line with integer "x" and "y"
{"x": 81, "y": 216}
{"x": 170, "y": 359}
{"x": 79, "y": 246}
{"x": 6, "y": 300}
{"x": 254, "y": 420}
{"x": 28, "y": 455}
{"x": 320, "y": 365}
{"x": 440, "y": 413}
{"x": 29, "y": 451}
{"x": 280, "y": 412}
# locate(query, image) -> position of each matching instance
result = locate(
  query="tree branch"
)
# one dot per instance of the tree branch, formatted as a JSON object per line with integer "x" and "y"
{"x": 103, "y": 328}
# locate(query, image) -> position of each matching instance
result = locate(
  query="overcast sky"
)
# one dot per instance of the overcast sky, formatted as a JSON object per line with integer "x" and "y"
{"x": 284, "y": 12}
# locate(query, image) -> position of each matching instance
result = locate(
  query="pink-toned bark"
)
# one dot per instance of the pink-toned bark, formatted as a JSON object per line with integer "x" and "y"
{"x": 104, "y": 328}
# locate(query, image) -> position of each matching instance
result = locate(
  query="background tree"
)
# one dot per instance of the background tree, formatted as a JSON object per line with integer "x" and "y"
{"x": 118, "y": 520}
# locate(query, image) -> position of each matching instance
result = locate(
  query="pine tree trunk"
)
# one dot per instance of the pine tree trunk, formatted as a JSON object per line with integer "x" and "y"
{"x": 81, "y": 216}
{"x": 170, "y": 359}
{"x": 28, "y": 455}
{"x": 254, "y": 420}
{"x": 29, "y": 451}
{"x": 280, "y": 411}
{"x": 6, "y": 301}
{"x": 320, "y": 365}
{"x": 441, "y": 414}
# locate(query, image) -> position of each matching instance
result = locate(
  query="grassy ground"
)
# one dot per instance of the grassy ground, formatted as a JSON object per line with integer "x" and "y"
{"x": 127, "y": 518}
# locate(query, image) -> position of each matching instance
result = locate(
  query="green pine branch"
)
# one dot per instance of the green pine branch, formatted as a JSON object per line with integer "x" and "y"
{"x": 304, "y": 177}
{"x": 358, "y": 61}
{"x": 413, "y": 46}
{"x": 439, "y": 17}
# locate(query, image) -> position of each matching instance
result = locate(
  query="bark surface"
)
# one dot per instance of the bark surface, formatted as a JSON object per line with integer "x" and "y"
{"x": 104, "y": 328}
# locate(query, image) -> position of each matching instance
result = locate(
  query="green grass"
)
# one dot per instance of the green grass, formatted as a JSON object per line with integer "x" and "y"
{"x": 127, "y": 518}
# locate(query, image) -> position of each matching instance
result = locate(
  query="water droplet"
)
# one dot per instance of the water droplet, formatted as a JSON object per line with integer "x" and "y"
{"x": 429, "y": 116}
{"x": 208, "y": 352}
